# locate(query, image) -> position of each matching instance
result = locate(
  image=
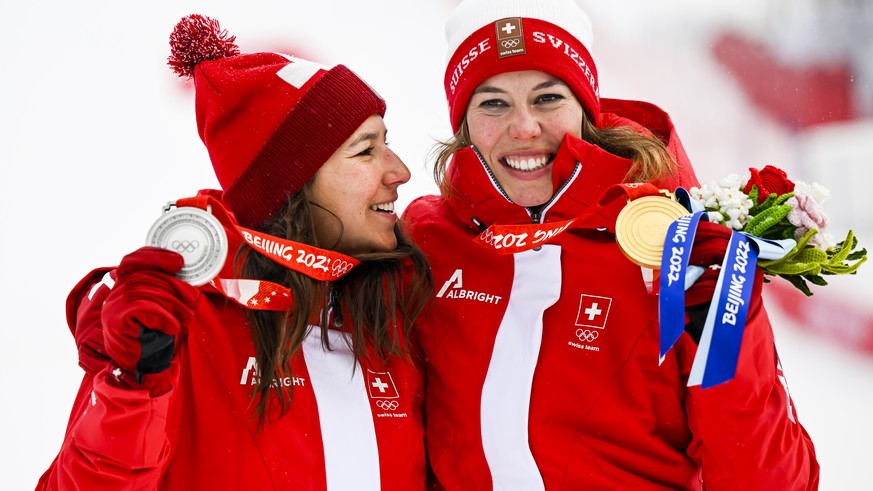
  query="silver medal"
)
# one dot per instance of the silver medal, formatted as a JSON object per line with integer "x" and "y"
{"x": 195, "y": 234}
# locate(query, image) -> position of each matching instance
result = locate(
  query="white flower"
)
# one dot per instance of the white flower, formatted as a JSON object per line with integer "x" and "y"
{"x": 815, "y": 190}
{"x": 725, "y": 201}
{"x": 730, "y": 181}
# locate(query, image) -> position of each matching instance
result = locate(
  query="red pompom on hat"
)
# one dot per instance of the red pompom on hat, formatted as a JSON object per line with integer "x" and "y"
{"x": 197, "y": 38}
{"x": 489, "y": 37}
{"x": 268, "y": 120}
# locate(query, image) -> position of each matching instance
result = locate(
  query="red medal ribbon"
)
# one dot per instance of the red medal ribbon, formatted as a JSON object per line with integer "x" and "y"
{"x": 509, "y": 239}
{"x": 317, "y": 263}
{"x": 255, "y": 294}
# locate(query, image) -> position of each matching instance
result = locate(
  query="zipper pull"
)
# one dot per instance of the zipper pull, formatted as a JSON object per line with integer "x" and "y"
{"x": 535, "y": 217}
{"x": 481, "y": 226}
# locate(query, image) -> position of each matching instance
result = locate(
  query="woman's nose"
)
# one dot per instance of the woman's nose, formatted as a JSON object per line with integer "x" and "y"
{"x": 397, "y": 173}
{"x": 524, "y": 124}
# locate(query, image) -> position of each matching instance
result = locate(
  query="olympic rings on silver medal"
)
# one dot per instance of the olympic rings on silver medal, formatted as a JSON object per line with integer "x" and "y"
{"x": 195, "y": 234}
{"x": 181, "y": 246}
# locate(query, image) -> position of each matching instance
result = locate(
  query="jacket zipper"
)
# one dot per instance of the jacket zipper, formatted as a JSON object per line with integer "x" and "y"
{"x": 536, "y": 216}
{"x": 490, "y": 174}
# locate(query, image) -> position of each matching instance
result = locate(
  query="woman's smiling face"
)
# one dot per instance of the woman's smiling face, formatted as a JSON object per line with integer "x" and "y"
{"x": 358, "y": 184}
{"x": 517, "y": 121}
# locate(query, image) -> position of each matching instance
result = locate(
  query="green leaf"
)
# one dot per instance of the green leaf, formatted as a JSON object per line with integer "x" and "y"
{"x": 799, "y": 283}
{"x": 782, "y": 231}
{"x": 753, "y": 194}
{"x": 844, "y": 268}
{"x": 816, "y": 280}
{"x": 761, "y": 207}
{"x": 857, "y": 255}
{"x": 784, "y": 197}
{"x": 794, "y": 268}
{"x": 841, "y": 252}
{"x": 812, "y": 255}
{"x": 759, "y": 224}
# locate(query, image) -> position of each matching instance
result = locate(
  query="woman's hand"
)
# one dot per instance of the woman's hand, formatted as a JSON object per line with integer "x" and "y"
{"x": 144, "y": 314}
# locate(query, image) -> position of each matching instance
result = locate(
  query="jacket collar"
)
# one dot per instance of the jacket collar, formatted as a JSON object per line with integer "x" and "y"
{"x": 581, "y": 173}
{"x": 478, "y": 196}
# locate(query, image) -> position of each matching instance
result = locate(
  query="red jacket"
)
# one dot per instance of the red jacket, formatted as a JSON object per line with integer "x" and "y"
{"x": 542, "y": 366}
{"x": 350, "y": 425}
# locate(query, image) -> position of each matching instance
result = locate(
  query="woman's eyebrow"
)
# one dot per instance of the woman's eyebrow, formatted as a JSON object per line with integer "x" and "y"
{"x": 549, "y": 83}
{"x": 488, "y": 89}
{"x": 362, "y": 137}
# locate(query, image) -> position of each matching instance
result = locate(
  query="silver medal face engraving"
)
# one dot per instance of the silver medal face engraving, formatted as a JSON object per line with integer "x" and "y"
{"x": 195, "y": 234}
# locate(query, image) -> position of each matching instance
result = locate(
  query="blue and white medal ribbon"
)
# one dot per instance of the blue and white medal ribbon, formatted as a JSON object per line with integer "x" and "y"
{"x": 674, "y": 267}
{"x": 719, "y": 349}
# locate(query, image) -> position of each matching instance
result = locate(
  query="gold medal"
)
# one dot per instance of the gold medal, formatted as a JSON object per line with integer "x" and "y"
{"x": 641, "y": 228}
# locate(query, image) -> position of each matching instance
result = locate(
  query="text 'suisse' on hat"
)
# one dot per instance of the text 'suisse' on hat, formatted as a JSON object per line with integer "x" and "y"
{"x": 269, "y": 121}
{"x": 489, "y": 37}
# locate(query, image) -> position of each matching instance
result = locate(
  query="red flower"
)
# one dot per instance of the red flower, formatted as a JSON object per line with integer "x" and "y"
{"x": 770, "y": 180}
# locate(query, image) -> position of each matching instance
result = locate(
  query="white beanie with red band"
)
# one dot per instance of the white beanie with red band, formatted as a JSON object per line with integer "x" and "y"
{"x": 269, "y": 121}
{"x": 489, "y": 37}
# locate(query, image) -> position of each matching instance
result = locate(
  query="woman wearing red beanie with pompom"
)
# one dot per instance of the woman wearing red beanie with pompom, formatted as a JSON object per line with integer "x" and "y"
{"x": 542, "y": 348}
{"x": 291, "y": 368}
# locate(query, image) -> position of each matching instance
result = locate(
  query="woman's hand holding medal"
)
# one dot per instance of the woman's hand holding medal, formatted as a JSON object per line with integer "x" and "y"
{"x": 144, "y": 315}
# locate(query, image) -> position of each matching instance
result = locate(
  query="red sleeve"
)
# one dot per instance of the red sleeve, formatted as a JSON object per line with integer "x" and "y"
{"x": 83, "y": 317}
{"x": 746, "y": 434}
{"x": 117, "y": 439}
{"x": 116, "y": 436}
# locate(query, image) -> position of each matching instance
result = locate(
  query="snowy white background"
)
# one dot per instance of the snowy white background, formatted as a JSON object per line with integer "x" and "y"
{"x": 96, "y": 134}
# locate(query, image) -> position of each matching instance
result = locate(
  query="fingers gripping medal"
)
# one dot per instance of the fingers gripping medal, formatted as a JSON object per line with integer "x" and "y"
{"x": 642, "y": 225}
{"x": 195, "y": 234}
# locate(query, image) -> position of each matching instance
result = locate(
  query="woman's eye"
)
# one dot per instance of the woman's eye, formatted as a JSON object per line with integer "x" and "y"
{"x": 548, "y": 98}
{"x": 490, "y": 103}
{"x": 365, "y": 153}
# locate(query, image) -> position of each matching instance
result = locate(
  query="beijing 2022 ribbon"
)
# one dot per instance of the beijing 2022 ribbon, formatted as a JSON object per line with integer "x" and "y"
{"x": 674, "y": 266}
{"x": 719, "y": 349}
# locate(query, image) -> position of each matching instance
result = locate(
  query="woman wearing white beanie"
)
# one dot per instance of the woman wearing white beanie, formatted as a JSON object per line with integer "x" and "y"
{"x": 542, "y": 347}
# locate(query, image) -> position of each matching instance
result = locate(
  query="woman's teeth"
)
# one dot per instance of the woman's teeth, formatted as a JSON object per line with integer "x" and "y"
{"x": 526, "y": 164}
{"x": 384, "y": 207}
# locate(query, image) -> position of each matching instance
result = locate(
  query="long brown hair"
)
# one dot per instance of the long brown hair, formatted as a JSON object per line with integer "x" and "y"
{"x": 382, "y": 296}
{"x": 651, "y": 159}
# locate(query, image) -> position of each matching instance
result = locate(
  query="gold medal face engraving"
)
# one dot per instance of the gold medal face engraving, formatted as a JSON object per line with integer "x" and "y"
{"x": 641, "y": 228}
{"x": 195, "y": 234}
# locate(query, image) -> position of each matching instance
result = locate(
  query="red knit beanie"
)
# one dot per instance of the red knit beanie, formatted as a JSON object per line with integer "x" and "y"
{"x": 268, "y": 120}
{"x": 489, "y": 37}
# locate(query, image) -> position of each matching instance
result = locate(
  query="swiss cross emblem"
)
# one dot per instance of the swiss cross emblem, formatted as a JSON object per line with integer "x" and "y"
{"x": 593, "y": 311}
{"x": 381, "y": 386}
{"x": 509, "y": 28}
{"x": 510, "y": 37}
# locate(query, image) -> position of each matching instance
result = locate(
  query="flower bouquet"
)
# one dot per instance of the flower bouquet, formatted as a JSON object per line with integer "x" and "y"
{"x": 768, "y": 205}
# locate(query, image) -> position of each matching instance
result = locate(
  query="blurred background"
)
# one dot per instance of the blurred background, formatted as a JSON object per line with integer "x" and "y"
{"x": 96, "y": 134}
